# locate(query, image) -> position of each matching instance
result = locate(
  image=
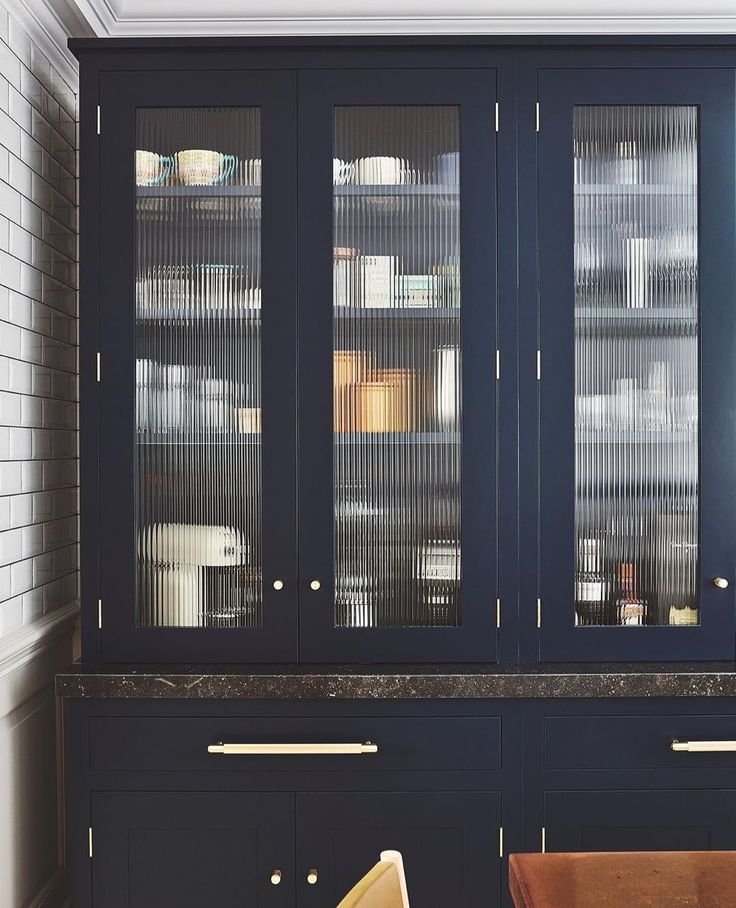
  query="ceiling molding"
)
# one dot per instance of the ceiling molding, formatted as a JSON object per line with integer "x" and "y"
{"x": 121, "y": 18}
{"x": 50, "y": 23}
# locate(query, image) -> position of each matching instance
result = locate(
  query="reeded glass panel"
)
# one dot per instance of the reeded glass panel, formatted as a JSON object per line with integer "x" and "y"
{"x": 396, "y": 366}
{"x": 636, "y": 368}
{"x": 198, "y": 367}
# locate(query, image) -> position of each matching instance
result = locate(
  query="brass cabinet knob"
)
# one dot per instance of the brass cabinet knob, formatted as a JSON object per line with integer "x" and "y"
{"x": 312, "y": 876}
{"x": 315, "y": 585}
{"x": 278, "y": 584}
{"x": 275, "y": 877}
{"x": 720, "y": 582}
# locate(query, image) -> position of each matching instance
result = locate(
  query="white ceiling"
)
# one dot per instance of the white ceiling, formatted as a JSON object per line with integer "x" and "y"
{"x": 311, "y": 17}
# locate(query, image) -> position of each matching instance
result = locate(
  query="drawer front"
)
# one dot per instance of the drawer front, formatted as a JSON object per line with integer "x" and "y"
{"x": 404, "y": 743}
{"x": 636, "y": 742}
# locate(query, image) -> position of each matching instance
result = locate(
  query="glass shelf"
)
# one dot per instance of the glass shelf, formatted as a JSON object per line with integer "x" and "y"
{"x": 250, "y": 318}
{"x": 212, "y": 439}
{"x": 635, "y": 436}
{"x": 398, "y": 438}
{"x": 184, "y": 192}
{"x": 399, "y": 190}
{"x": 397, "y": 313}
{"x": 612, "y": 191}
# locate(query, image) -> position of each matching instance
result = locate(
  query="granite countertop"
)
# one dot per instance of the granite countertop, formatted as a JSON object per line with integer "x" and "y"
{"x": 360, "y": 682}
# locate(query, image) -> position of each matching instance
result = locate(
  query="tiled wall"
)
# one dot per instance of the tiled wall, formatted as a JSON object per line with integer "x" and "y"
{"x": 38, "y": 332}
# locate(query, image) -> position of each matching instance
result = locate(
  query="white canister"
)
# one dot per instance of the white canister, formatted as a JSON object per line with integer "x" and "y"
{"x": 447, "y": 364}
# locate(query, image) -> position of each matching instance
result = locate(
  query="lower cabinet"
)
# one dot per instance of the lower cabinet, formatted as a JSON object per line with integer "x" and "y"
{"x": 454, "y": 786}
{"x": 631, "y": 820}
{"x": 192, "y": 849}
{"x": 449, "y": 842}
{"x": 229, "y": 849}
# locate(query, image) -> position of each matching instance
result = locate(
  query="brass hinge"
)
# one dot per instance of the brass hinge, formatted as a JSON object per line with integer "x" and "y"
{"x": 498, "y": 121}
{"x": 539, "y": 365}
{"x": 498, "y": 613}
{"x": 89, "y": 840}
{"x": 500, "y": 841}
{"x": 544, "y": 840}
{"x": 536, "y": 117}
{"x": 98, "y": 119}
{"x": 99, "y": 614}
{"x": 539, "y": 612}
{"x": 99, "y": 366}
{"x": 498, "y": 365}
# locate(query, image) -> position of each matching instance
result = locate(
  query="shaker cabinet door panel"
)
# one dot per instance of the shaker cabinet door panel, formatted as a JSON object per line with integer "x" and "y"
{"x": 192, "y": 849}
{"x": 397, "y": 390}
{"x": 197, "y": 367}
{"x": 449, "y": 842}
{"x": 636, "y": 237}
{"x": 640, "y": 820}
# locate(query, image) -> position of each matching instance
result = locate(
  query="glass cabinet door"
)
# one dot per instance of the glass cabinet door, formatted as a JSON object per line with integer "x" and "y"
{"x": 635, "y": 340}
{"x": 397, "y": 323}
{"x": 203, "y": 181}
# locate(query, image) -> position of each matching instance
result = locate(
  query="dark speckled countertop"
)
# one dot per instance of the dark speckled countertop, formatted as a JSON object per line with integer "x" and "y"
{"x": 360, "y": 682}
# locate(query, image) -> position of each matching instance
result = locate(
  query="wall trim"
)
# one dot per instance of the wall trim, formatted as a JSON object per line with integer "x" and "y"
{"x": 31, "y": 656}
{"x": 122, "y": 18}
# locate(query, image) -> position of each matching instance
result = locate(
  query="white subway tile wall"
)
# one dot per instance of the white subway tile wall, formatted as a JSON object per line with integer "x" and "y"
{"x": 39, "y": 501}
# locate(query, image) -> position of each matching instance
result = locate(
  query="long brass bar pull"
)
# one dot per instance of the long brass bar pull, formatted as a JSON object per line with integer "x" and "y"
{"x": 293, "y": 749}
{"x": 704, "y": 747}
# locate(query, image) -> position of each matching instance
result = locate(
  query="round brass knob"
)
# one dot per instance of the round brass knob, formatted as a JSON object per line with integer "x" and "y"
{"x": 278, "y": 584}
{"x": 315, "y": 585}
{"x": 275, "y": 877}
{"x": 720, "y": 582}
{"x": 312, "y": 876}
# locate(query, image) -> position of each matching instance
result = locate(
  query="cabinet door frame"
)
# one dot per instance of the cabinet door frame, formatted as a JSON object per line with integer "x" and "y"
{"x": 474, "y": 91}
{"x": 476, "y": 813}
{"x": 559, "y": 91}
{"x": 270, "y": 813}
{"x": 121, "y": 93}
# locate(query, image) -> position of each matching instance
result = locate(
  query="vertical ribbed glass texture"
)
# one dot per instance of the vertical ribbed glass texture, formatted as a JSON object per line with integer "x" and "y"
{"x": 198, "y": 367}
{"x": 396, "y": 366}
{"x": 636, "y": 365}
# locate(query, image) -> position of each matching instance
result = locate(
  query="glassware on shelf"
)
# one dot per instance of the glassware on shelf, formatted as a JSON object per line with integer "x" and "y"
{"x": 396, "y": 225}
{"x": 198, "y": 371}
{"x": 636, "y": 363}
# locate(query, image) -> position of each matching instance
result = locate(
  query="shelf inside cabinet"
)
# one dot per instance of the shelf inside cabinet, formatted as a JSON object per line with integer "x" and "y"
{"x": 395, "y": 312}
{"x": 625, "y": 190}
{"x": 635, "y": 436}
{"x": 398, "y": 438}
{"x": 183, "y": 192}
{"x": 216, "y": 439}
{"x": 398, "y": 190}
{"x": 181, "y": 317}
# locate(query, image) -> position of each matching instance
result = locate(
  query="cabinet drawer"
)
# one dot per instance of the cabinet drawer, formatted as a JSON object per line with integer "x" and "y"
{"x": 635, "y": 742}
{"x": 404, "y": 743}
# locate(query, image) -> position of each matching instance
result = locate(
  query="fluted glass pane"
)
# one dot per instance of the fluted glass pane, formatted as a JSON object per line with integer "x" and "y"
{"x": 636, "y": 369}
{"x": 396, "y": 366}
{"x": 198, "y": 367}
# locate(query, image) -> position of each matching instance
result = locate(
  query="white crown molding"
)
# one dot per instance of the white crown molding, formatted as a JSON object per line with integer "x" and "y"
{"x": 121, "y": 18}
{"x": 50, "y": 23}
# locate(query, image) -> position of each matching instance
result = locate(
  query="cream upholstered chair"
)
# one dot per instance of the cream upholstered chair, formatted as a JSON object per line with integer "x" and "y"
{"x": 382, "y": 887}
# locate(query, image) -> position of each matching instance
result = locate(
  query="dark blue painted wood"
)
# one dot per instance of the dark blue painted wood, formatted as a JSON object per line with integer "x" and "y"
{"x": 647, "y": 820}
{"x": 449, "y": 842}
{"x": 192, "y": 848}
{"x": 474, "y": 93}
{"x": 275, "y": 94}
{"x": 712, "y": 92}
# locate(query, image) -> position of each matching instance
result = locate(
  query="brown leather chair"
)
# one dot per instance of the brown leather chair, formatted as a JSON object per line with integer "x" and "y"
{"x": 382, "y": 887}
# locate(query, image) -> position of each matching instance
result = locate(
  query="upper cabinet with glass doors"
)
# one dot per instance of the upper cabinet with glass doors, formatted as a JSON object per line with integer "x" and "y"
{"x": 397, "y": 320}
{"x": 197, "y": 394}
{"x": 636, "y": 251}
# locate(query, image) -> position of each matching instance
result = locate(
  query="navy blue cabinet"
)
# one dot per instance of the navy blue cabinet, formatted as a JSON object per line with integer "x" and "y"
{"x": 639, "y": 820}
{"x": 381, "y": 198}
{"x": 449, "y": 842}
{"x": 636, "y": 491}
{"x": 192, "y": 849}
